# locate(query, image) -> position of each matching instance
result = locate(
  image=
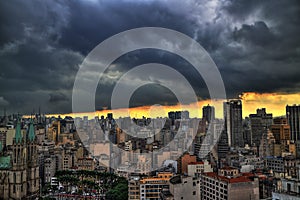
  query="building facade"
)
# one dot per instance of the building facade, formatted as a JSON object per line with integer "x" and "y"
{"x": 234, "y": 122}
{"x": 19, "y": 167}
{"x": 228, "y": 183}
{"x": 259, "y": 122}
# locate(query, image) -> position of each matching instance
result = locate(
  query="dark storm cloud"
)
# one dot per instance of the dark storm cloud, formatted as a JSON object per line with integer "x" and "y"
{"x": 3, "y": 102}
{"x": 255, "y": 44}
{"x": 262, "y": 54}
{"x": 57, "y": 97}
{"x": 258, "y": 34}
{"x": 33, "y": 63}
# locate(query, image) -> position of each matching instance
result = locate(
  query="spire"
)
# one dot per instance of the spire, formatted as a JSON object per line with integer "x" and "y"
{"x": 31, "y": 134}
{"x": 18, "y": 136}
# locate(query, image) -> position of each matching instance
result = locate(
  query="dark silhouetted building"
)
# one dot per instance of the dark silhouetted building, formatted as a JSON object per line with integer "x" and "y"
{"x": 234, "y": 122}
{"x": 293, "y": 117}
{"x": 208, "y": 113}
{"x": 259, "y": 123}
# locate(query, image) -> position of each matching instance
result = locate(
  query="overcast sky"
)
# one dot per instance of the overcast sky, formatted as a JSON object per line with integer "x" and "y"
{"x": 255, "y": 44}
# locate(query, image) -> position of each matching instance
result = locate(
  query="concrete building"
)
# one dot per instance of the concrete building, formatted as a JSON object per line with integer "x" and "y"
{"x": 283, "y": 166}
{"x": 223, "y": 146}
{"x": 151, "y": 187}
{"x": 85, "y": 163}
{"x": 185, "y": 187}
{"x": 287, "y": 189}
{"x": 229, "y": 184}
{"x": 282, "y": 135}
{"x": 183, "y": 161}
{"x": 195, "y": 169}
{"x": 208, "y": 113}
{"x": 128, "y": 146}
{"x": 266, "y": 147}
{"x": 281, "y": 130}
{"x": 134, "y": 187}
{"x": 49, "y": 168}
{"x": 293, "y": 117}
{"x": 234, "y": 122}
{"x": 259, "y": 122}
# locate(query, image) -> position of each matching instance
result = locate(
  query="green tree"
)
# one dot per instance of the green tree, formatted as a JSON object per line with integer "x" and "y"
{"x": 119, "y": 192}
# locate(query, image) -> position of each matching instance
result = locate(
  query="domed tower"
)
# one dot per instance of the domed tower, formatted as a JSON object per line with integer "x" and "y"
{"x": 32, "y": 162}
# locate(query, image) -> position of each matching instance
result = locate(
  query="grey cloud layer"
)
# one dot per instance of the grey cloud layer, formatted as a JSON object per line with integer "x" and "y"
{"x": 255, "y": 44}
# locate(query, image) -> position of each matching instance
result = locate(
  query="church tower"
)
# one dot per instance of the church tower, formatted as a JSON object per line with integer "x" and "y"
{"x": 18, "y": 175}
{"x": 32, "y": 162}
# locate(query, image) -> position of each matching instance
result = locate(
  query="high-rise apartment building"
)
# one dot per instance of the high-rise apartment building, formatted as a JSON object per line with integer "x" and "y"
{"x": 208, "y": 113}
{"x": 233, "y": 122}
{"x": 293, "y": 117}
{"x": 280, "y": 130}
{"x": 259, "y": 123}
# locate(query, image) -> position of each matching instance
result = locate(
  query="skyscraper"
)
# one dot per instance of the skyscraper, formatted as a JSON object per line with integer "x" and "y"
{"x": 208, "y": 113}
{"x": 233, "y": 122}
{"x": 259, "y": 122}
{"x": 293, "y": 116}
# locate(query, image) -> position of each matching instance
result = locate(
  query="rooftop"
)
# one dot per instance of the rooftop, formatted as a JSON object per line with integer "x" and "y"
{"x": 248, "y": 177}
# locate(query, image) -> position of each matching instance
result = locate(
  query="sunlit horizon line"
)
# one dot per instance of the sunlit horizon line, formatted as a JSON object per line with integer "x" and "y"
{"x": 273, "y": 102}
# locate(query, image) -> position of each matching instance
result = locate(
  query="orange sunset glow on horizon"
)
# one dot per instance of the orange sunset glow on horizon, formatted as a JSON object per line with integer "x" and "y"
{"x": 273, "y": 102}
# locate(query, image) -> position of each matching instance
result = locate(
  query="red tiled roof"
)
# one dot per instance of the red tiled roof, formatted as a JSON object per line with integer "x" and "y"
{"x": 239, "y": 179}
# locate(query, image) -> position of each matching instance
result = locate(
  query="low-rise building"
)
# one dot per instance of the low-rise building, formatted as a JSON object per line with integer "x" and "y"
{"x": 195, "y": 169}
{"x": 185, "y": 187}
{"x": 134, "y": 188}
{"x": 86, "y": 163}
{"x": 151, "y": 187}
{"x": 229, "y": 184}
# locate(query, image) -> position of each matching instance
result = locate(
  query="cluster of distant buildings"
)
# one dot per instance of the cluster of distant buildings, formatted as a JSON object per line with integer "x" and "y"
{"x": 177, "y": 157}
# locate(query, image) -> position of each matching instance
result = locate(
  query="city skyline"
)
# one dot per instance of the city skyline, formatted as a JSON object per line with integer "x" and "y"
{"x": 274, "y": 103}
{"x": 150, "y": 99}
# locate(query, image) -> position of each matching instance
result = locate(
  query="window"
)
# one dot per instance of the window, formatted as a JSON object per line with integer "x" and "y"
{"x": 288, "y": 187}
{"x": 194, "y": 192}
{"x": 15, "y": 178}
